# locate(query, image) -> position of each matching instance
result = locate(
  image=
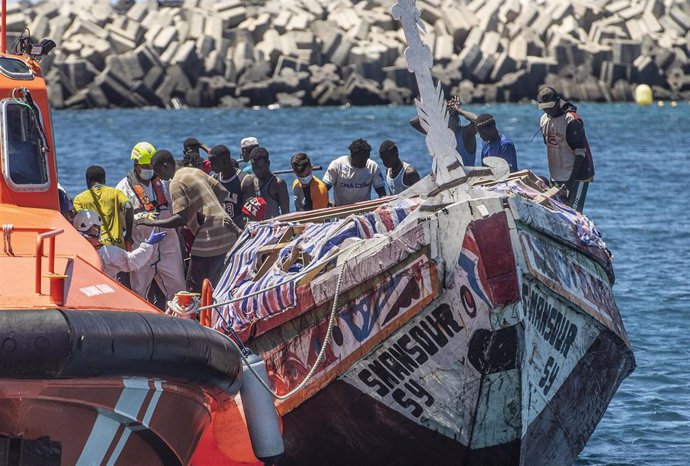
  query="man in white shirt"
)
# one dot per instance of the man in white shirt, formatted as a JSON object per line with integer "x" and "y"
{"x": 352, "y": 176}
{"x": 115, "y": 259}
{"x": 149, "y": 197}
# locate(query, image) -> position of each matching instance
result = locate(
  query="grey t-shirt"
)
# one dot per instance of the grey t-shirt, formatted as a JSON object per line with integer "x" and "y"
{"x": 352, "y": 184}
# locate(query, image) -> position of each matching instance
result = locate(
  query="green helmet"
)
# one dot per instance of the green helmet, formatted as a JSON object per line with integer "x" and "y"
{"x": 143, "y": 152}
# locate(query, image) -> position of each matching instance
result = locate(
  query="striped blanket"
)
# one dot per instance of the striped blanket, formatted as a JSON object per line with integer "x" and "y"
{"x": 584, "y": 227}
{"x": 275, "y": 292}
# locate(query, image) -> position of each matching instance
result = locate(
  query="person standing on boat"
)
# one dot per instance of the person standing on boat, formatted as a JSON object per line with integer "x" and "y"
{"x": 495, "y": 143}
{"x": 115, "y": 259}
{"x": 465, "y": 136}
{"x": 399, "y": 175}
{"x": 192, "y": 157}
{"x": 309, "y": 191}
{"x": 352, "y": 176}
{"x": 197, "y": 201}
{"x": 247, "y": 145}
{"x": 149, "y": 198}
{"x": 231, "y": 178}
{"x": 570, "y": 159}
{"x": 112, "y": 206}
{"x": 263, "y": 183}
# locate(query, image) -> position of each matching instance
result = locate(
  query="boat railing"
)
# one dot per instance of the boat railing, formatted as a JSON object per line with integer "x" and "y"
{"x": 43, "y": 235}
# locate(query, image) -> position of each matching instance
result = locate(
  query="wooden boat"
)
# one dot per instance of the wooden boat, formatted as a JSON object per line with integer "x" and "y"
{"x": 470, "y": 320}
{"x": 90, "y": 373}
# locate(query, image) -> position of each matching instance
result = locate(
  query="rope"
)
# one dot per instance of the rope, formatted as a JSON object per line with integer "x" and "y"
{"x": 322, "y": 352}
{"x": 7, "y": 230}
{"x": 178, "y": 310}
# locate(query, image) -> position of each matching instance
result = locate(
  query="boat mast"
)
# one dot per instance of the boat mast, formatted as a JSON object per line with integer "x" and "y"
{"x": 431, "y": 105}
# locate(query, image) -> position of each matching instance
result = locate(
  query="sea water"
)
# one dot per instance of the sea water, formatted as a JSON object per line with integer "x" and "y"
{"x": 640, "y": 201}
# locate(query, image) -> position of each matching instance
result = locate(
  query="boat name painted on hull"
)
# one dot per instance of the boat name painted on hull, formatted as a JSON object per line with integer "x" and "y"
{"x": 411, "y": 350}
{"x": 556, "y": 329}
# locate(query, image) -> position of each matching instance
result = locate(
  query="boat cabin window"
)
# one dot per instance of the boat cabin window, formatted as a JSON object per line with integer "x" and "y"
{"x": 24, "y": 163}
{"x": 15, "y": 69}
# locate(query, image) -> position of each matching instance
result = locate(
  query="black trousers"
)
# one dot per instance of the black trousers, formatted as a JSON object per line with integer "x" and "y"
{"x": 204, "y": 267}
{"x": 577, "y": 193}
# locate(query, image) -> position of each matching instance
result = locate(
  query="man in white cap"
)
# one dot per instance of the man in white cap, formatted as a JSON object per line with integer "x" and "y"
{"x": 246, "y": 146}
{"x": 150, "y": 199}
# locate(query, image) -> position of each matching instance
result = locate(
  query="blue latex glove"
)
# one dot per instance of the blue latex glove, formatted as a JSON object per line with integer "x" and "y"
{"x": 155, "y": 237}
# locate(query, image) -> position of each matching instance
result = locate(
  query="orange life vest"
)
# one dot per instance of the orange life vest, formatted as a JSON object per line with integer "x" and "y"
{"x": 147, "y": 204}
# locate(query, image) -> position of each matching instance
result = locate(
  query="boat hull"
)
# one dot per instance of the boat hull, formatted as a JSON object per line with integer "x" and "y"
{"x": 489, "y": 335}
{"x": 103, "y": 420}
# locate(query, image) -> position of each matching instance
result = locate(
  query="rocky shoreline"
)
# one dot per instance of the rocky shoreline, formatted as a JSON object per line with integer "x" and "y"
{"x": 235, "y": 53}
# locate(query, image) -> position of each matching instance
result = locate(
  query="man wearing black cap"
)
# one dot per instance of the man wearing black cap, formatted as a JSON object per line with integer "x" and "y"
{"x": 567, "y": 149}
{"x": 495, "y": 143}
{"x": 399, "y": 175}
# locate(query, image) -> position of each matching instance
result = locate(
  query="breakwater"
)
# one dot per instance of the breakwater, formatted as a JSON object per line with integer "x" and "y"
{"x": 236, "y": 53}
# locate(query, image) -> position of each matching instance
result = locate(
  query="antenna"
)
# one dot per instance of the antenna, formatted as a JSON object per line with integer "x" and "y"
{"x": 446, "y": 163}
{"x": 3, "y": 44}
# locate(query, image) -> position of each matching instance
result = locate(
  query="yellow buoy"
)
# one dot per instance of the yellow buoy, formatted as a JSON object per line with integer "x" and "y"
{"x": 674, "y": 103}
{"x": 643, "y": 95}
{"x": 661, "y": 103}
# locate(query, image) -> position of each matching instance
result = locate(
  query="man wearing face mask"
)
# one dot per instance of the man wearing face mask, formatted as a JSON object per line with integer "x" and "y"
{"x": 352, "y": 176}
{"x": 150, "y": 199}
{"x": 310, "y": 192}
{"x": 114, "y": 259}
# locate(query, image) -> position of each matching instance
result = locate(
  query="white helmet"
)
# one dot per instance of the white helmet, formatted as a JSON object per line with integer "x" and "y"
{"x": 85, "y": 219}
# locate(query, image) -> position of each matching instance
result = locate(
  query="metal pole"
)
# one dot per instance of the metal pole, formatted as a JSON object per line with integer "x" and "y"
{"x": 4, "y": 26}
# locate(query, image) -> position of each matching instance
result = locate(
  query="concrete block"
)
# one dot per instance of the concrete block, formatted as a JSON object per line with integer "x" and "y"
{"x": 281, "y": 21}
{"x": 165, "y": 38}
{"x": 243, "y": 55}
{"x": 285, "y": 62}
{"x": 40, "y": 26}
{"x": 443, "y": 49}
{"x": 205, "y": 45}
{"x": 186, "y": 58}
{"x": 48, "y": 9}
{"x": 328, "y": 34}
{"x": 680, "y": 17}
{"x": 167, "y": 55}
{"x": 214, "y": 64}
{"x": 650, "y": 21}
{"x": 121, "y": 44}
{"x": 483, "y": 69}
{"x": 154, "y": 77}
{"x": 341, "y": 54}
{"x": 502, "y": 66}
{"x": 137, "y": 12}
{"x": 233, "y": 17}
{"x": 490, "y": 43}
{"x": 298, "y": 22}
{"x": 225, "y": 5}
{"x": 214, "y": 28}
{"x": 625, "y": 51}
{"x": 58, "y": 26}
{"x": 470, "y": 58}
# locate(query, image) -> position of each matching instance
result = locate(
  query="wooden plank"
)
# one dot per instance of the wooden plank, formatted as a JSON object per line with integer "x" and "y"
{"x": 272, "y": 248}
{"x": 550, "y": 193}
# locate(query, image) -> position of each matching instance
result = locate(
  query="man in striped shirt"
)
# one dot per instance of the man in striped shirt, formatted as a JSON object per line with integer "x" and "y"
{"x": 197, "y": 201}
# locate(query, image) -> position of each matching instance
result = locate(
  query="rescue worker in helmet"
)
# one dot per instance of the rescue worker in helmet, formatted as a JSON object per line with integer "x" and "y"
{"x": 114, "y": 259}
{"x": 150, "y": 199}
